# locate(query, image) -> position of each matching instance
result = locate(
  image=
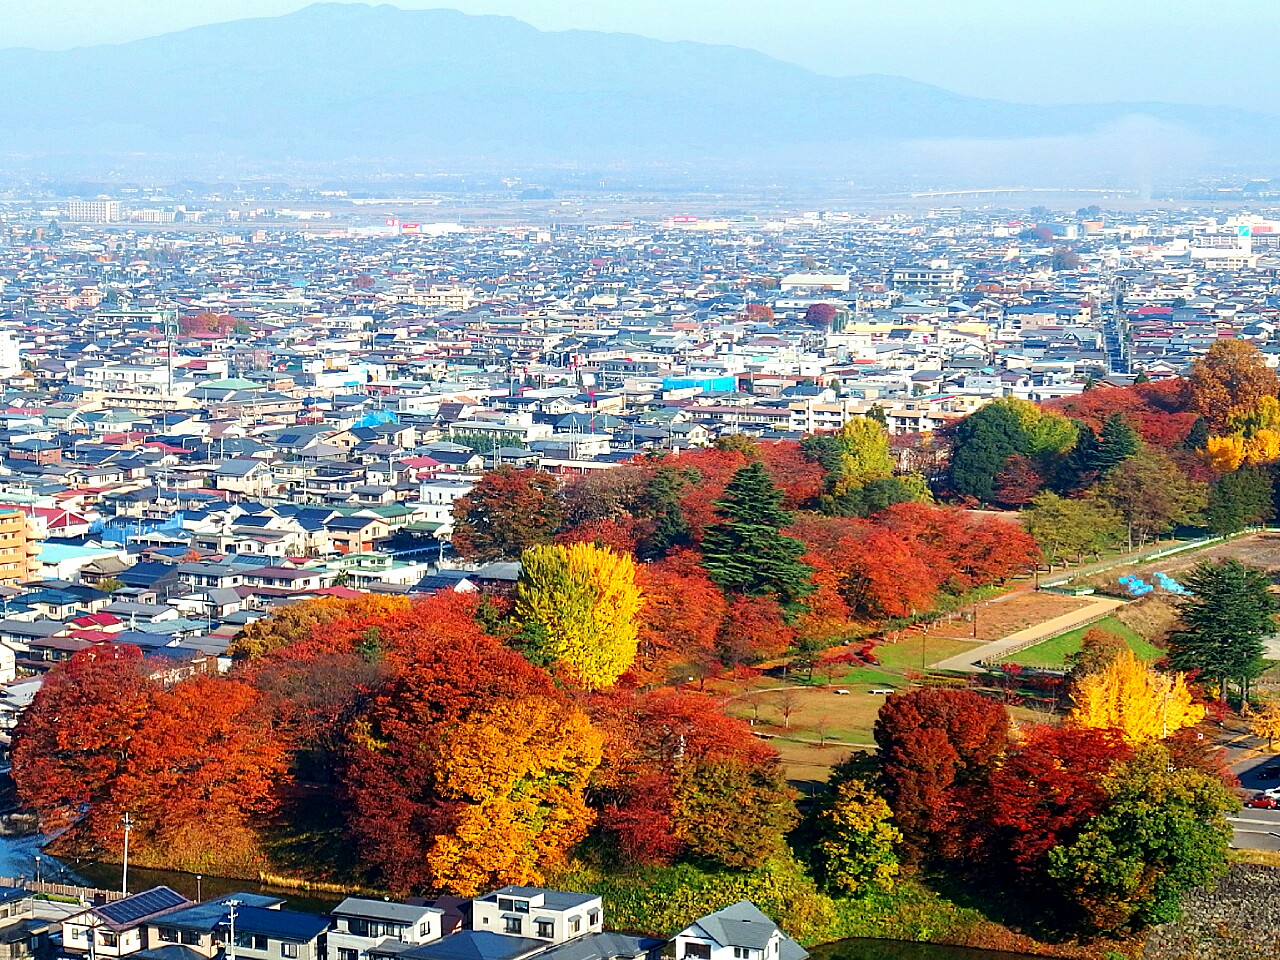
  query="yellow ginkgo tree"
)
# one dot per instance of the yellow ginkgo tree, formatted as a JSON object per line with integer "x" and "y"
{"x": 1130, "y": 697}
{"x": 577, "y": 606}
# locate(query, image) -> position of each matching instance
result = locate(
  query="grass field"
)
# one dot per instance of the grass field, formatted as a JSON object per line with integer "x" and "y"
{"x": 1053, "y": 653}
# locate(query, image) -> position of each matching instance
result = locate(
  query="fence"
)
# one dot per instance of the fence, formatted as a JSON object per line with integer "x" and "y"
{"x": 86, "y": 894}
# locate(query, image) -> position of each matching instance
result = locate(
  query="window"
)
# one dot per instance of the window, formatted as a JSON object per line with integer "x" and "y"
{"x": 512, "y": 924}
{"x": 108, "y": 939}
{"x": 244, "y": 940}
{"x": 191, "y": 938}
{"x": 358, "y": 927}
{"x": 575, "y": 924}
{"x": 700, "y": 951}
{"x": 424, "y": 930}
{"x": 168, "y": 934}
{"x": 593, "y": 917}
{"x": 345, "y": 953}
{"x": 741, "y": 953}
{"x": 260, "y": 942}
{"x": 546, "y": 928}
{"x": 289, "y": 950}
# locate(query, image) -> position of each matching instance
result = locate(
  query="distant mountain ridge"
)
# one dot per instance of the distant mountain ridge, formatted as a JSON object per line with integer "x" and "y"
{"x": 335, "y": 81}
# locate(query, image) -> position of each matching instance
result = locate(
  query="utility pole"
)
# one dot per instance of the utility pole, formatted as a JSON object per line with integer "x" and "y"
{"x": 124, "y": 877}
{"x": 231, "y": 919}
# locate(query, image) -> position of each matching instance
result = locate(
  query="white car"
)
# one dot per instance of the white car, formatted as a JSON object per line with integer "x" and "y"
{"x": 882, "y": 690}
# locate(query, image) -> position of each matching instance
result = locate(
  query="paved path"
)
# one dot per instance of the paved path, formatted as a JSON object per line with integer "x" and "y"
{"x": 970, "y": 660}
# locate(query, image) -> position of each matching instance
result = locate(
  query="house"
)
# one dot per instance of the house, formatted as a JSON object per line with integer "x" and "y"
{"x": 119, "y": 929}
{"x": 22, "y": 935}
{"x": 376, "y": 928}
{"x": 357, "y": 534}
{"x": 738, "y": 932}
{"x": 245, "y": 476}
{"x": 533, "y": 912}
{"x": 263, "y": 931}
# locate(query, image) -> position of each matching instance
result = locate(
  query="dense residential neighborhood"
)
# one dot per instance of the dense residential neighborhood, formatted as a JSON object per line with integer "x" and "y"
{"x": 210, "y": 424}
{"x": 596, "y": 554}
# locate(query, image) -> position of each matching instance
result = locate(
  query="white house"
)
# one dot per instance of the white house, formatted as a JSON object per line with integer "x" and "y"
{"x": 738, "y": 932}
{"x": 534, "y": 913}
{"x": 377, "y": 928}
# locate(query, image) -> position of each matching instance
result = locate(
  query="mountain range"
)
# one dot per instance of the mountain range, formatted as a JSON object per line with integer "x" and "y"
{"x": 337, "y": 82}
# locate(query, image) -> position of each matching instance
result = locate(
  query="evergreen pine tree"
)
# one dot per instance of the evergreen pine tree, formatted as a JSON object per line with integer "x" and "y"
{"x": 746, "y": 552}
{"x": 661, "y": 503}
{"x": 1198, "y": 437}
{"x": 1230, "y": 610}
{"x": 1117, "y": 443}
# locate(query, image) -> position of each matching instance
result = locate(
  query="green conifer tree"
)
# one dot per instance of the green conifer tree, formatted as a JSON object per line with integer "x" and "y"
{"x": 746, "y": 552}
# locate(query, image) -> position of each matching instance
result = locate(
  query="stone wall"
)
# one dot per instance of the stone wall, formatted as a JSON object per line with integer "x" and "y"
{"x": 1240, "y": 920}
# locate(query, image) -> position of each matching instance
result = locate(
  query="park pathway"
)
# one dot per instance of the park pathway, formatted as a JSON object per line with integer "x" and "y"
{"x": 971, "y": 660}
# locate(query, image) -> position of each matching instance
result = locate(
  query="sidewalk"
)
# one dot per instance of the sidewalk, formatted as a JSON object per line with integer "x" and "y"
{"x": 970, "y": 661}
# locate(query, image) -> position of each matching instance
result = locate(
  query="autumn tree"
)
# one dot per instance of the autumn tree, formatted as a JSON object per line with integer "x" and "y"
{"x": 745, "y": 552}
{"x": 300, "y": 621}
{"x": 1162, "y": 832}
{"x": 72, "y": 745}
{"x": 931, "y": 743}
{"x": 195, "y": 763}
{"x": 204, "y": 766}
{"x": 419, "y": 809}
{"x": 1018, "y": 481}
{"x": 506, "y": 513}
{"x": 821, "y": 315}
{"x": 1132, "y": 698}
{"x": 1098, "y": 648}
{"x": 753, "y": 629}
{"x": 578, "y": 606}
{"x": 1151, "y": 495}
{"x": 709, "y": 800}
{"x": 863, "y": 454}
{"x": 672, "y": 763}
{"x": 1223, "y": 622}
{"x": 1229, "y": 379}
{"x": 515, "y": 774}
{"x": 856, "y": 852}
{"x": 1046, "y": 788}
{"x": 1265, "y": 723}
{"x": 680, "y": 618}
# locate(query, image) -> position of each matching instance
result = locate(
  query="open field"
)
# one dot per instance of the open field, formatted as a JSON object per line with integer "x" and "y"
{"x": 1053, "y": 653}
{"x": 1010, "y": 613}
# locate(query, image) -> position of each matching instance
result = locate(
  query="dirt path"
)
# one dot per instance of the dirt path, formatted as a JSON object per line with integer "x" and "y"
{"x": 970, "y": 661}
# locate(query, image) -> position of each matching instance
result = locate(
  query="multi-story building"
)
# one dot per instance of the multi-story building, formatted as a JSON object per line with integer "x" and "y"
{"x": 19, "y": 548}
{"x": 535, "y": 913}
{"x": 94, "y": 211}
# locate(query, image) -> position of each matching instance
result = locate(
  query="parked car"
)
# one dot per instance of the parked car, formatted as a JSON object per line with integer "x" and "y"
{"x": 1263, "y": 801}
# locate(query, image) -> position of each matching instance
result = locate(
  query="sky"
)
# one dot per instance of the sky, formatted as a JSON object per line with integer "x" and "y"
{"x": 1036, "y": 51}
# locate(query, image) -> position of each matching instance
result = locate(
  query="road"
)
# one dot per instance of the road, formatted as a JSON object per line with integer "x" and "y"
{"x": 1254, "y": 829}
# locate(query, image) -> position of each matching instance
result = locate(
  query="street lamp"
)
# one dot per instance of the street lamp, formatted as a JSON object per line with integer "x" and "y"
{"x": 38, "y": 877}
{"x": 199, "y": 877}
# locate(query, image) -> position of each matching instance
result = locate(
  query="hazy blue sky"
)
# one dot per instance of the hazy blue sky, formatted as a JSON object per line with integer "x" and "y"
{"x": 1190, "y": 51}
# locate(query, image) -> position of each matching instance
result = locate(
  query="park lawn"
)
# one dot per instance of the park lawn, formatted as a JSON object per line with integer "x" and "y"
{"x": 817, "y": 712}
{"x": 905, "y": 654}
{"x": 1053, "y": 653}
